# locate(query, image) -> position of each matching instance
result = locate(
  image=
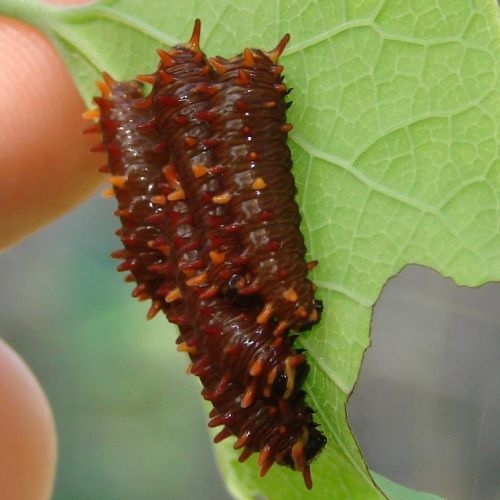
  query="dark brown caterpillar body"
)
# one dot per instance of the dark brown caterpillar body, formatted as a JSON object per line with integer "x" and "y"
{"x": 137, "y": 181}
{"x": 190, "y": 248}
{"x": 250, "y": 130}
{"x": 180, "y": 99}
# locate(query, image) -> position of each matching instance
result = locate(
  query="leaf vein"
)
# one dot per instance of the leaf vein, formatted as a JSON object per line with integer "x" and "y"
{"x": 136, "y": 24}
{"x": 370, "y": 183}
{"x": 333, "y": 287}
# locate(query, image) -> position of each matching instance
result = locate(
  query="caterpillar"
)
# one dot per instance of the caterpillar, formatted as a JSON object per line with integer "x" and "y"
{"x": 250, "y": 133}
{"x": 190, "y": 195}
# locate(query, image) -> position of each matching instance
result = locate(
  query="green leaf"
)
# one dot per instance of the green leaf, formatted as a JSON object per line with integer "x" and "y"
{"x": 397, "y": 492}
{"x": 396, "y": 145}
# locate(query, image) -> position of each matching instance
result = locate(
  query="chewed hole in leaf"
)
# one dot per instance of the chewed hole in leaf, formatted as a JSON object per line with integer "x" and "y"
{"x": 426, "y": 406}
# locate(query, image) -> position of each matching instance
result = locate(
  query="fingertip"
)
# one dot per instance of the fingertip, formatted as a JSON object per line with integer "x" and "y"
{"x": 46, "y": 165}
{"x": 27, "y": 433}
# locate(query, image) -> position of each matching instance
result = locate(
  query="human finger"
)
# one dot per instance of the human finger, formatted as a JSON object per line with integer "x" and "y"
{"x": 46, "y": 166}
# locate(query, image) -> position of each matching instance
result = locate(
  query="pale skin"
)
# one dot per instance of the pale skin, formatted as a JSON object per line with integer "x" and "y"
{"x": 46, "y": 170}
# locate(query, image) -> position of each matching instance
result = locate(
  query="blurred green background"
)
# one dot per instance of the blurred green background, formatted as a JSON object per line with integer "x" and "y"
{"x": 132, "y": 426}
